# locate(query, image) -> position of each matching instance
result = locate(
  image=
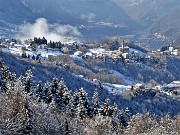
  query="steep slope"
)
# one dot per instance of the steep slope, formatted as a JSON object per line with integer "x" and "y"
{"x": 94, "y": 10}
{"x": 18, "y": 11}
{"x": 14, "y": 11}
{"x": 168, "y": 25}
{"x": 147, "y": 11}
{"x": 45, "y": 72}
{"x": 63, "y": 11}
{"x": 135, "y": 8}
{"x": 104, "y": 18}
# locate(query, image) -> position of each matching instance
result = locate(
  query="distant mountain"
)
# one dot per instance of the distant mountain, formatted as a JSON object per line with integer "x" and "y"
{"x": 20, "y": 11}
{"x": 95, "y": 10}
{"x": 147, "y": 11}
{"x": 168, "y": 25}
{"x": 93, "y": 14}
{"x": 155, "y": 16}
{"x": 13, "y": 11}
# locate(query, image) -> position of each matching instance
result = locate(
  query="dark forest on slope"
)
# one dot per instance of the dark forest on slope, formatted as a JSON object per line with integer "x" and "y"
{"x": 31, "y": 107}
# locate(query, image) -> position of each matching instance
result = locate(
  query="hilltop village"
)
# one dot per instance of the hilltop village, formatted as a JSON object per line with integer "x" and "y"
{"x": 38, "y": 49}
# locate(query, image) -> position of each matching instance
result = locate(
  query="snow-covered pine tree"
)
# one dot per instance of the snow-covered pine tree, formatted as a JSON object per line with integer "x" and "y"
{"x": 6, "y": 74}
{"x": 66, "y": 127}
{"x": 105, "y": 110}
{"x": 21, "y": 78}
{"x": 122, "y": 120}
{"x": 96, "y": 105}
{"x": 5, "y": 77}
{"x": 39, "y": 89}
{"x": 28, "y": 81}
{"x": 75, "y": 98}
{"x": 86, "y": 102}
{"x": 67, "y": 96}
{"x": 83, "y": 96}
{"x": 70, "y": 108}
{"x": 83, "y": 105}
{"x": 19, "y": 83}
{"x": 47, "y": 93}
{"x": 114, "y": 110}
{"x": 54, "y": 86}
{"x": 81, "y": 110}
{"x": 28, "y": 123}
{"x": 59, "y": 95}
{"x": 127, "y": 114}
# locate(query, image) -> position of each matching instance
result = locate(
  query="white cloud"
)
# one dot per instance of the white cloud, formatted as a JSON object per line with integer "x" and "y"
{"x": 41, "y": 28}
{"x": 68, "y": 30}
{"x": 89, "y": 16}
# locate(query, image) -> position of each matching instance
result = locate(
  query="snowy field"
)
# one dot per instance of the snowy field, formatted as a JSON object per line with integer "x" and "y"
{"x": 116, "y": 88}
{"x": 127, "y": 80}
{"x": 43, "y": 53}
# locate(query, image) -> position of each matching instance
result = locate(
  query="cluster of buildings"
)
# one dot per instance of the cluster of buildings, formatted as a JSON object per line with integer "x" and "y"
{"x": 172, "y": 51}
{"x": 20, "y": 48}
{"x": 169, "y": 50}
{"x": 122, "y": 54}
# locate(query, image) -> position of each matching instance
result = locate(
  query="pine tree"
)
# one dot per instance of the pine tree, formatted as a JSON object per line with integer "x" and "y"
{"x": 105, "y": 109}
{"x": 21, "y": 78}
{"x": 54, "y": 85}
{"x": 81, "y": 110}
{"x": 83, "y": 105}
{"x": 19, "y": 83}
{"x": 122, "y": 120}
{"x": 70, "y": 108}
{"x": 127, "y": 114}
{"x": 86, "y": 102}
{"x": 47, "y": 93}
{"x": 28, "y": 81}
{"x": 75, "y": 98}
{"x": 66, "y": 127}
{"x": 59, "y": 98}
{"x": 95, "y": 103}
{"x": 28, "y": 122}
{"x": 5, "y": 77}
{"x": 83, "y": 96}
{"x": 114, "y": 110}
{"x": 39, "y": 89}
{"x": 67, "y": 96}
{"x": 27, "y": 125}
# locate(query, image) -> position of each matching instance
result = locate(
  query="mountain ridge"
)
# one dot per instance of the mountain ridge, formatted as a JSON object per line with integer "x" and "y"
{"x": 92, "y": 15}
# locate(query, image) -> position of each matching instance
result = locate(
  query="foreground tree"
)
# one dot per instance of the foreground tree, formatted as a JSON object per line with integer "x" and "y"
{"x": 96, "y": 105}
{"x": 28, "y": 81}
{"x": 6, "y": 77}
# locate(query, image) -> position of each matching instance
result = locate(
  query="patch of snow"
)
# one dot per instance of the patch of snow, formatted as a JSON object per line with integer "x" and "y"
{"x": 174, "y": 84}
{"x": 97, "y": 51}
{"x": 18, "y": 45}
{"x": 126, "y": 79}
{"x": 25, "y": 2}
{"x": 89, "y": 54}
{"x": 115, "y": 88}
{"x": 105, "y": 24}
{"x": 43, "y": 52}
{"x": 140, "y": 52}
{"x": 4, "y": 50}
{"x": 76, "y": 57}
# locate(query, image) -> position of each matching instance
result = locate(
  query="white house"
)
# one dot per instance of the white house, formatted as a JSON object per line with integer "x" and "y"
{"x": 78, "y": 53}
